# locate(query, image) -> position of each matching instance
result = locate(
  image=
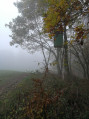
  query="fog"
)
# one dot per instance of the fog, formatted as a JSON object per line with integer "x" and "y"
{"x": 19, "y": 61}
{"x": 12, "y": 58}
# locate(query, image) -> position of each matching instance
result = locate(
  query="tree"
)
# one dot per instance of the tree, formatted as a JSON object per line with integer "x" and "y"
{"x": 27, "y": 30}
{"x": 62, "y": 14}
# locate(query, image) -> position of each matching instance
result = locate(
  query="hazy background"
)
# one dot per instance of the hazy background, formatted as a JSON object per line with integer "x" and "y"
{"x": 12, "y": 58}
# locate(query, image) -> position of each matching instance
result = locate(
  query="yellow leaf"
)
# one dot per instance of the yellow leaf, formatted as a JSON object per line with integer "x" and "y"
{"x": 65, "y": 43}
{"x": 71, "y": 42}
{"x": 84, "y": 37}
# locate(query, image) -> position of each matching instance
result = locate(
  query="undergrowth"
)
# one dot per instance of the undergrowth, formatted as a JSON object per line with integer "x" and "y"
{"x": 49, "y": 98}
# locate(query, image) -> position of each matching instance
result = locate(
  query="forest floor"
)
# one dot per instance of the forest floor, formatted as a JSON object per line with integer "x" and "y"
{"x": 28, "y": 95}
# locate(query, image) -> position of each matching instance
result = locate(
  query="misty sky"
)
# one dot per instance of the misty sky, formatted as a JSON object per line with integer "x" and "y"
{"x": 10, "y": 57}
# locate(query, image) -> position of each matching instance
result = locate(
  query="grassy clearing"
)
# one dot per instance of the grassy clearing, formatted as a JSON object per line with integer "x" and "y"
{"x": 11, "y": 97}
{"x": 10, "y": 80}
{"x": 6, "y": 76}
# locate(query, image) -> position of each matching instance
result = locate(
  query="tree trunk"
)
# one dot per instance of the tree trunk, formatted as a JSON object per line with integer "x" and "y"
{"x": 66, "y": 65}
{"x": 59, "y": 70}
{"x": 58, "y": 65}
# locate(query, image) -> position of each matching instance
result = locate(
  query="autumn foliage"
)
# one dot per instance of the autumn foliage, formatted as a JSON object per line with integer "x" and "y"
{"x": 64, "y": 12}
{"x": 81, "y": 33}
{"x": 41, "y": 101}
